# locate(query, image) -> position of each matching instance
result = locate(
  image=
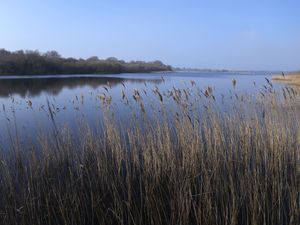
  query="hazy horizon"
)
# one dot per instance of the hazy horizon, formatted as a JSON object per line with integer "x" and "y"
{"x": 218, "y": 35}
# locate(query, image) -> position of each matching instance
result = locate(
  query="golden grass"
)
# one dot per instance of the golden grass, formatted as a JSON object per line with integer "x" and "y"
{"x": 183, "y": 167}
{"x": 293, "y": 79}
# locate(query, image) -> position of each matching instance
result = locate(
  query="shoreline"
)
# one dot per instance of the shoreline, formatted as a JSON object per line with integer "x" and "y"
{"x": 76, "y": 75}
{"x": 292, "y": 79}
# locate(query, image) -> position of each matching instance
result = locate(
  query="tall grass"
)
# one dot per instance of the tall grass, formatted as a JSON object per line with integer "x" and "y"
{"x": 184, "y": 166}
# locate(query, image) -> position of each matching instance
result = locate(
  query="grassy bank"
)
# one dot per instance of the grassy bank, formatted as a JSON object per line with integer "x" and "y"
{"x": 188, "y": 166}
{"x": 293, "y": 79}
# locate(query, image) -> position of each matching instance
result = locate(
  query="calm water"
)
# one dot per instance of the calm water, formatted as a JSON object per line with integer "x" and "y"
{"x": 77, "y": 98}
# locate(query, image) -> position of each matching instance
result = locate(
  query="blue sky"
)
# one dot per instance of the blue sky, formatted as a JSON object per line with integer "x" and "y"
{"x": 250, "y": 35}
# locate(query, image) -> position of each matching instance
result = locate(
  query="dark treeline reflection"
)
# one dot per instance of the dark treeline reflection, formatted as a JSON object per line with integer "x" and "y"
{"x": 34, "y": 63}
{"x": 34, "y": 87}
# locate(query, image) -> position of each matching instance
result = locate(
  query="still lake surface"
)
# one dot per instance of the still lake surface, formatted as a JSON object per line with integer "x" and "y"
{"x": 24, "y": 109}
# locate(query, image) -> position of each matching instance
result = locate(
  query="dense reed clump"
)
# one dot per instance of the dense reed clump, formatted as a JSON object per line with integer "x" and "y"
{"x": 190, "y": 165}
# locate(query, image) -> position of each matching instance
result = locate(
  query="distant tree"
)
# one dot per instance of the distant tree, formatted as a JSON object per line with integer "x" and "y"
{"x": 71, "y": 60}
{"x": 33, "y": 62}
{"x": 19, "y": 52}
{"x": 3, "y": 52}
{"x": 93, "y": 59}
{"x": 112, "y": 59}
{"x": 52, "y": 55}
{"x": 157, "y": 62}
{"x": 30, "y": 52}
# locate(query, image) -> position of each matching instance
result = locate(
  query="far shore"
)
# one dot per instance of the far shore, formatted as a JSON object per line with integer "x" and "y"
{"x": 293, "y": 78}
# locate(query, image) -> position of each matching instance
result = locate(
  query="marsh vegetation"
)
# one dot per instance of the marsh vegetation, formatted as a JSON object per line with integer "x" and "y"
{"x": 193, "y": 163}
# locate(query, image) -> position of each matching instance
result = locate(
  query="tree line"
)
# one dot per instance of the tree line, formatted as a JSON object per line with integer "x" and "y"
{"x": 36, "y": 63}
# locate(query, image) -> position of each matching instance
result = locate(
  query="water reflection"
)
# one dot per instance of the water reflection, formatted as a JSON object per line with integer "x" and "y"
{"x": 24, "y": 111}
{"x": 53, "y": 86}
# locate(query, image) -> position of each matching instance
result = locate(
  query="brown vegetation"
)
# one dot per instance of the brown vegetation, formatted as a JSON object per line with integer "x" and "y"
{"x": 293, "y": 79}
{"x": 182, "y": 167}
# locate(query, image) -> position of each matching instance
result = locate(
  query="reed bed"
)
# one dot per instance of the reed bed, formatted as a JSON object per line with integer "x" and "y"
{"x": 194, "y": 164}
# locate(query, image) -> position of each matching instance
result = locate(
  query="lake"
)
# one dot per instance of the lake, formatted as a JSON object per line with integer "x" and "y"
{"x": 73, "y": 99}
